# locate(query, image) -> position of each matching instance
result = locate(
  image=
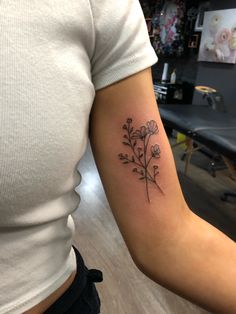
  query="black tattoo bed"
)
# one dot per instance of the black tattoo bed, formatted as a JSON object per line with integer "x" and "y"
{"x": 210, "y": 128}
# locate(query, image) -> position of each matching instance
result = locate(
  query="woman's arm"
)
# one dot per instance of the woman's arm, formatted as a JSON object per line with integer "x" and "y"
{"x": 167, "y": 241}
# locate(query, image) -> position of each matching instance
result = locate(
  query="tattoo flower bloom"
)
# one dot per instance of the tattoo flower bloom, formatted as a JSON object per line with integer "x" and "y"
{"x": 155, "y": 150}
{"x": 152, "y": 127}
{"x": 142, "y": 155}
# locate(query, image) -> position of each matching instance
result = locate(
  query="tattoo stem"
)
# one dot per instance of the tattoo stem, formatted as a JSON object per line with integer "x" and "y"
{"x": 134, "y": 162}
{"x": 133, "y": 149}
{"x": 149, "y": 161}
{"x": 145, "y": 164}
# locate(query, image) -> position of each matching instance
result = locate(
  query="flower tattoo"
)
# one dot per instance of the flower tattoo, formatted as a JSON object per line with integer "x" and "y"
{"x": 142, "y": 155}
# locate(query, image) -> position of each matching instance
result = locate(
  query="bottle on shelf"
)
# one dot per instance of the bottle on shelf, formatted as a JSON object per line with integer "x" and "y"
{"x": 165, "y": 73}
{"x": 173, "y": 77}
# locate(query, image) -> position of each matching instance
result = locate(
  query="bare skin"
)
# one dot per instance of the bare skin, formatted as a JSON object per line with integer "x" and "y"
{"x": 45, "y": 304}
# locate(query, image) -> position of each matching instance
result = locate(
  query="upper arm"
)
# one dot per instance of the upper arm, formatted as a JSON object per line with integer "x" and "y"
{"x": 139, "y": 177}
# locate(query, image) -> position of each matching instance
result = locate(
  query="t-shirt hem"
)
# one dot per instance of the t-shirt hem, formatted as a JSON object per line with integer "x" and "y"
{"x": 33, "y": 299}
{"x": 125, "y": 69}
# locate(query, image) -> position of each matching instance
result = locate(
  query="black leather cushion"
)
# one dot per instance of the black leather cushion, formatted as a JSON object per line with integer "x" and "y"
{"x": 215, "y": 129}
{"x": 221, "y": 140}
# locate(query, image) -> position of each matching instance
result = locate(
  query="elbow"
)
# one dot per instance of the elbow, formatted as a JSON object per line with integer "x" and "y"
{"x": 156, "y": 250}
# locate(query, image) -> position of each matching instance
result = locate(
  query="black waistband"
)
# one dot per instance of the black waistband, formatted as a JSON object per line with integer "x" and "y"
{"x": 75, "y": 289}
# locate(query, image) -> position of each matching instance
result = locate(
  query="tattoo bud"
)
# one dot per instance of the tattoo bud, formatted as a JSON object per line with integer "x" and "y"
{"x": 121, "y": 156}
{"x": 155, "y": 151}
{"x": 124, "y": 127}
{"x": 129, "y": 120}
{"x": 135, "y": 170}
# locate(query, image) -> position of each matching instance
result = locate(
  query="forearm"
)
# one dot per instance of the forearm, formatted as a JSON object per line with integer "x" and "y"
{"x": 198, "y": 264}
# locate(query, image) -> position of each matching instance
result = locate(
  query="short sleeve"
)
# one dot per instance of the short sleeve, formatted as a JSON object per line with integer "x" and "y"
{"x": 122, "y": 44}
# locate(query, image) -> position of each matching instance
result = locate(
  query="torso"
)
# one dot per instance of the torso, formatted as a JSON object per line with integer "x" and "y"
{"x": 46, "y": 97}
{"x": 45, "y": 304}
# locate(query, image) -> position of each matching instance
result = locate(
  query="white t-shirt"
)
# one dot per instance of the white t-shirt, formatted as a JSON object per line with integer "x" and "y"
{"x": 54, "y": 55}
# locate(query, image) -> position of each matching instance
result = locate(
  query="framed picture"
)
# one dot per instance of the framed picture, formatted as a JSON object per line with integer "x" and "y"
{"x": 218, "y": 42}
{"x": 171, "y": 23}
{"x": 204, "y": 7}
